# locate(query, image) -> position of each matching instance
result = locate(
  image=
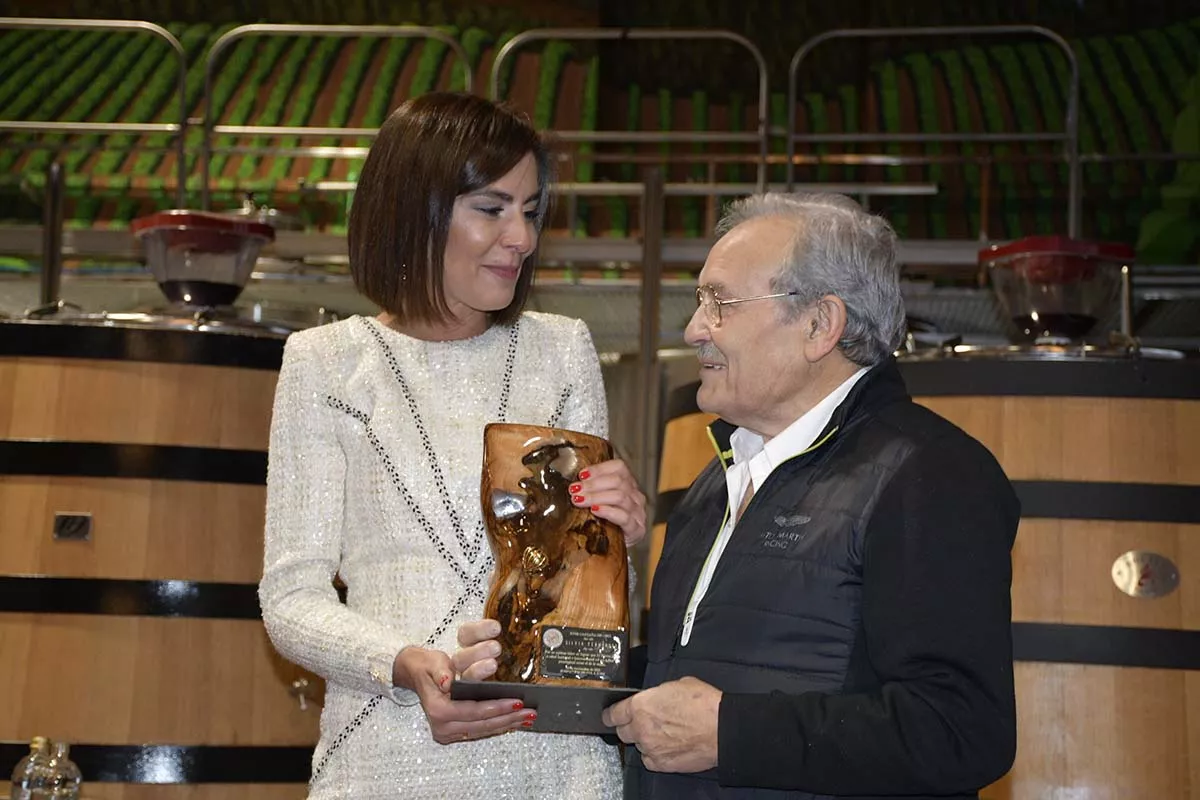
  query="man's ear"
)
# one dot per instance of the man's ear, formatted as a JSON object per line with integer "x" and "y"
{"x": 824, "y": 327}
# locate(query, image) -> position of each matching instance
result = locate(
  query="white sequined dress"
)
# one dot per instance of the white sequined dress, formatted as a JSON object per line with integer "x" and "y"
{"x": 375, "y": 457}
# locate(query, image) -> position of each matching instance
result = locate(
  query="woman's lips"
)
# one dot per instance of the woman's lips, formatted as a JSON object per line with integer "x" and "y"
{"x": 507, "y": 273}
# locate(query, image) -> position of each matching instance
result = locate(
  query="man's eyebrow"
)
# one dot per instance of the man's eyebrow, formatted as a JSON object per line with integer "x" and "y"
{"x": 502, "y": 196}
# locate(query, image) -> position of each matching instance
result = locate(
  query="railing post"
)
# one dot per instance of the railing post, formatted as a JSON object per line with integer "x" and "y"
{"x": 52, "y": 236}
{"x": 653, "y": 223}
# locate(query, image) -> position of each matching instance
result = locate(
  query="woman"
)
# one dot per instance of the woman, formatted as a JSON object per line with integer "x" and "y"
{"x": 375, "y": 455}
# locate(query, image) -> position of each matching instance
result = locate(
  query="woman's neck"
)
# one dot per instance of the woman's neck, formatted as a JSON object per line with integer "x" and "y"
{"x": 446, "y": 331}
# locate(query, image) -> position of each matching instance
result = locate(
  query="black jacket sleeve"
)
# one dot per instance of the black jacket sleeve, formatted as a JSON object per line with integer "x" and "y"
{"x": 928, "y": 706}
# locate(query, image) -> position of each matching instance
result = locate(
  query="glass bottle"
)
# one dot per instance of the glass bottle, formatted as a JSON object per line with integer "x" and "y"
{"x": 65, "y": 777}
{"x": 32, "y": 777}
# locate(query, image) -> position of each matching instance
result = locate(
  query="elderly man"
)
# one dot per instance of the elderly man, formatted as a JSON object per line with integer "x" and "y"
{"x": 830, "y": 616}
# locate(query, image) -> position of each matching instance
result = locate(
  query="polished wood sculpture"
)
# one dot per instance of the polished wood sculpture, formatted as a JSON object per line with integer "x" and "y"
{"x": 560, "y": 585}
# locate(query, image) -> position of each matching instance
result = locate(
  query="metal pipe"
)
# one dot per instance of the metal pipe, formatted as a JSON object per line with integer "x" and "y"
{"x": 612, "y": 34}
{"x": 653, "y": 222}
{"x": 1126, "y": 303}
{"x": 110, "y": 128}
{"x": 927, "y": 137}
{"x": 52, "y": 237}
{"x": 985, "y": 192}
{"x": 629, "y": 189}
{"x": 341, "y": 31}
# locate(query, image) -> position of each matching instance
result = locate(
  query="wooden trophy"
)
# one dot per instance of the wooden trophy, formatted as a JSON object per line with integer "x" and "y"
{"x": 560, "y": 587}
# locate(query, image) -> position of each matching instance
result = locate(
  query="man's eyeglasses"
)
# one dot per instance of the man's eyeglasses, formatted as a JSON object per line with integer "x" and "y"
{"x": 706, "y": 298}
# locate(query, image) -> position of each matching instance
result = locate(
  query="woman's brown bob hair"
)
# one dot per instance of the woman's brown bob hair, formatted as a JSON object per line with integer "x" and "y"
{"x": 431, "y": 150}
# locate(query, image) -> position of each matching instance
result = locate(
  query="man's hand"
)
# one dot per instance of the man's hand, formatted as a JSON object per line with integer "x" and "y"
{"x": 674, "y": 726}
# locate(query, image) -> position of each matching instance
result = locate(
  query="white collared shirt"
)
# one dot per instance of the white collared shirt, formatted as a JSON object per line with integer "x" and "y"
{"x": 754, "y": 459}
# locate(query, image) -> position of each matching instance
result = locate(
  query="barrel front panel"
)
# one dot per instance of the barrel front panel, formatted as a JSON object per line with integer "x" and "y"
{"x": 1083, "y": 438}
{"x": 80, "y": 400}
{"x": 1100, "y": 477}
{"x": 131, "y": 517}
{"x": 141, "y": 529}
{"x": 1099, "y": 732}
{"x": 1063, "y": 573}
{"x": 104, "y": 679}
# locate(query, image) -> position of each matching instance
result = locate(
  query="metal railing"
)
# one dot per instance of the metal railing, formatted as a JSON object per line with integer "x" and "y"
{"x": 1069, "y": 136}
{"x": 712, "y": 189}
{"x": 175, "y": 129}
{"x": 761, "y": 137}
{"x": 263, "y": 29}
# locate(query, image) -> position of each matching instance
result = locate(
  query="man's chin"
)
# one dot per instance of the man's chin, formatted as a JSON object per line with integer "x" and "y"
{"x": 705, "y": 400}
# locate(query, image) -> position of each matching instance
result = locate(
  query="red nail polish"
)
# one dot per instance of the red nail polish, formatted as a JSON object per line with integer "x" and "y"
{"x": 575, "y": 487}
{"x": 530, "y": 717}
{"x": 595, "y": 508}
{"x": 585, "y": 475}
{"x": 526, "y": 724}
{"x": 577, "y": 498}
{"x": 517, "y": 706}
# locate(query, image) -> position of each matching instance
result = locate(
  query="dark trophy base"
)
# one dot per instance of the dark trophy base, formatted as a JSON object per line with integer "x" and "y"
{"x": 561, "y": 709}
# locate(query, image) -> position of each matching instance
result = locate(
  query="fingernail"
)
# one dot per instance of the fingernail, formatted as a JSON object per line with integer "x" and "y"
{"x": 493, "y": 649}
{"x": 530, "y": 717}
{"x": 526, "y": 724}
{"x": 494, "y": 628}
{"x": 595, "y": 508}
{"x": 442, "y": 681}
{"x": 575, "y": 487}
{"x": 517, "y": 706}
{"x": 577, "y": 498}
{"x": 585, "y": 475}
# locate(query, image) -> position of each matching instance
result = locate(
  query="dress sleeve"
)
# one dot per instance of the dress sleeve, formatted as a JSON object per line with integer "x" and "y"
{"x": 586, "y": 407}
{"x": 306, "y": 482}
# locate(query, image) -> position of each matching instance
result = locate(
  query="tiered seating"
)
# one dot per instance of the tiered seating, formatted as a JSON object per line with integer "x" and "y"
{"x": 1131, "y": 90}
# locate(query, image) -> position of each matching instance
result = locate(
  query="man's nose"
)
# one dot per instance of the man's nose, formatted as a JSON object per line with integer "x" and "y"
{"x": 697, "y": 332}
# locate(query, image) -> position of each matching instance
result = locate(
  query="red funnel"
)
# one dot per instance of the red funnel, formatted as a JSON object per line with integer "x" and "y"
{"x": 200, "y": 258}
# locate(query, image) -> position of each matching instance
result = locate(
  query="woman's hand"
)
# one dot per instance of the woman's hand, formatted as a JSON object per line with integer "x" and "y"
{"x": 475, "y": 660}
{"x": 610, "y": 491}
{"x": 429, "y": 673}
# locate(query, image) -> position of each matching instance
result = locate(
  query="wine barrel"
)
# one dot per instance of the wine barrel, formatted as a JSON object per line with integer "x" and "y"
{"x": 132, "y": 492}
{"x": 1103, "y": 454}
{"x": 684, "y": 451}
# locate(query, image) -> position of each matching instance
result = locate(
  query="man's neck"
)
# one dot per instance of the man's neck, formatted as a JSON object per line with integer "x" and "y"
{"x": 827, "y": 376}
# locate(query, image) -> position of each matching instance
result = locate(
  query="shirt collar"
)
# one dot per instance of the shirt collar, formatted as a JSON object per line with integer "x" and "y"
{"x": 792, "y": 440}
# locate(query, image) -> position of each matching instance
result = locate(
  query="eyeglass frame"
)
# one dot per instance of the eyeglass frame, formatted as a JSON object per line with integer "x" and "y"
{"x": 717, "y": 302}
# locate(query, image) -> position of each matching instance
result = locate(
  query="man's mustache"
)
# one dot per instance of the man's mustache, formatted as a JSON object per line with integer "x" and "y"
{"x": 708, "y": 353}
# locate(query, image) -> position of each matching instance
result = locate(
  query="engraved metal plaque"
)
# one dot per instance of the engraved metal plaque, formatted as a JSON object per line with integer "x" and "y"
{"x": 1140, "y": 573}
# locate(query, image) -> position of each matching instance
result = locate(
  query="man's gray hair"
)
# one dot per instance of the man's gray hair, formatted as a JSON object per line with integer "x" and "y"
{"x": 841, "y": 250}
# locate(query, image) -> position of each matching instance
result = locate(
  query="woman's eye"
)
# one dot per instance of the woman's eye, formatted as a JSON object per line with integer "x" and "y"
{"x": 491, "y": 211}
{"x": 532, "y": 215}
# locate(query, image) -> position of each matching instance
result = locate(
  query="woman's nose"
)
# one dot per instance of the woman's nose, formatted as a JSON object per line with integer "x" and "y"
{"x": 520, "y": 235}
